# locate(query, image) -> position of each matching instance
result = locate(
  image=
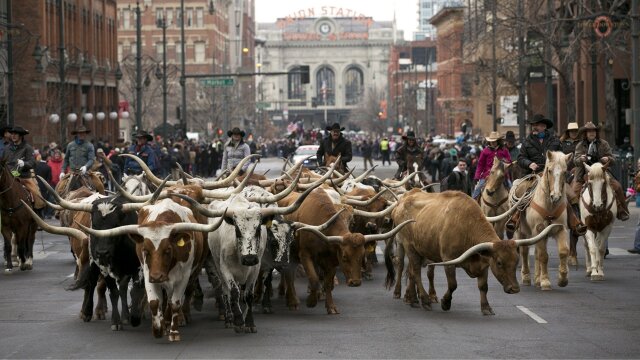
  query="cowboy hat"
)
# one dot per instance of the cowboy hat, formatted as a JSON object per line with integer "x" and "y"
{"x": 510, "y": 136}
{"x": 4, "y": 129}
{"x": 19, "y": 130}
{"x": 539, "y": 118}
{"x": 143, "y": 134}
{"x": 335, "y": 126}
{"x": 409, "y": 136}
{"x": 493, "y": 136}
{"x": 80, "y": 130}
{"x": 589, "y": 126}
{"x": 236, "y": 130}
{"x": 572, "y": 126}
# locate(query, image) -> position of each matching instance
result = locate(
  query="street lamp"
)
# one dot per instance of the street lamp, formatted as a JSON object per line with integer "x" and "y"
{"x": 162, "y": 23}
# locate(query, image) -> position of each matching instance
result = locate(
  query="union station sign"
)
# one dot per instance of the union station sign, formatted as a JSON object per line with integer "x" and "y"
{"x": 324, "y": 11}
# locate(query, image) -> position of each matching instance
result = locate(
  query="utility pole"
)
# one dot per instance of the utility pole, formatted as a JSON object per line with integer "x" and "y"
{"x": 635, "y": 73}
{"x": 521, "y": 73}
{"x": 494, "y": 78}
{"x": 594, "y": 74}
{"x": 183, "y": 82}
{"x": 547, "y": 66}
{"x": 138, "y": 67}
{"x": 162, "y": 23}
{"x": 10, "y": 108}
{"x": 61, "y": 70}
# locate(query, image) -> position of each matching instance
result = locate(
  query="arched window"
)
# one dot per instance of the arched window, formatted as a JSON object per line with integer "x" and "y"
{"x": 326, "y": 85}
{"x": 353, "y": 86}
{"x": 296, "y": 90}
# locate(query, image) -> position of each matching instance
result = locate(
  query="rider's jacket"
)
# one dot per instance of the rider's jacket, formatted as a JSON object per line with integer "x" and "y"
{"x": 535, "y": 151}
{"x": 340, "y": 147}
{"x": 485, "y": 161}
{"x": 12, "y": 153}
{"x": 79, "y": 154}
{"x": 403, "y": 151}
{"x": 594, "y": 151}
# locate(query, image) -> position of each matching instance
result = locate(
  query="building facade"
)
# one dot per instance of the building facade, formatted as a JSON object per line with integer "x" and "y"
{"x": 219, "y": 39}
{"x": 426, "y": 10}
{"x": 70, "y": 79}
{"x": 348, "y": 59}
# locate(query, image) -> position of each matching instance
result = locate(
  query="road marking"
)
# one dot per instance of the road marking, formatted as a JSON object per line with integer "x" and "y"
{"x": 532, "y": 315}
{"x": 71, "y": 275}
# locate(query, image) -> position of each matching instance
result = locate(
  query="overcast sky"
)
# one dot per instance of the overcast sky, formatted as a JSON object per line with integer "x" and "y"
{"x": 380, "y": 10}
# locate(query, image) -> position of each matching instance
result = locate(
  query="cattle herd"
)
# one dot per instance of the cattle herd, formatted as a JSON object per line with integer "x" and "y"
{"x": 149, "y": 243}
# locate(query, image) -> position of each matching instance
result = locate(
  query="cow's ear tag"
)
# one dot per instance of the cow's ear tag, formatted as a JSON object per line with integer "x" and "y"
{"x": 181, "y": 242}
{"x": 268, "y": 224}
{"x": 371, "y": 247}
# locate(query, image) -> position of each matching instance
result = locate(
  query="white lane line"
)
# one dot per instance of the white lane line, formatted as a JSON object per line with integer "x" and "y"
{"x": 40, "y": 255}
{"x": 531, "y": 314}
{"x": 71, "y": 275}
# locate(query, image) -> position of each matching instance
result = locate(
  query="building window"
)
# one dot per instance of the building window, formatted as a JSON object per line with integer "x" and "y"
{"x": 189, "y": 22}
{"x": 159, "y": 14}
{"x": 296, "y": 89}
{"x": 134, "y": 48}
{"x": 119, "y": 51}
{"x": 126, "y": 19}
{"x": 169, "y": 16}
{"x": 200, "y": 47}
{"x": 353, "y": 86}
{"x": 159, "y": 49}
{"x": 178, "y": 17}
{"x": 200, "y": 17}
{"x": 178, "y": 51}
{"x": 326, "y": 85}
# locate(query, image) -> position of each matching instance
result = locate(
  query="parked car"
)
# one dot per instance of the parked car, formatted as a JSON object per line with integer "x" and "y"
{"x": 301, "y": 154}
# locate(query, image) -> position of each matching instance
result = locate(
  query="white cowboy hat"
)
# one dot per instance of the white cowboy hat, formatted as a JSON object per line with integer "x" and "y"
{"x": 494, "y": 136}
{"x": 573, "y": 126}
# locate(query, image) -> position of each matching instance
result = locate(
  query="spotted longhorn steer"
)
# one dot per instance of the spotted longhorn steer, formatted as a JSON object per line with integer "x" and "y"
{"x": 451, "y": 229}
{"x": 170, "y": 247}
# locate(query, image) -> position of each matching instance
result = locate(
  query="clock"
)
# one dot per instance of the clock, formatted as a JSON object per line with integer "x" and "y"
{"x": 325, "y": 28}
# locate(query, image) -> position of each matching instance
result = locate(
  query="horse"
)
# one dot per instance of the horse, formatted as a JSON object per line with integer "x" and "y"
{"x": 548, "y": 206}
{"x": 598, "y": 214}
{"x": 76, "y": 180}
{"x": 18, "y": 227}
{"x": 494, "y": 196}
{"x": 414, "y": 165}
{"x": 330, "y": 159}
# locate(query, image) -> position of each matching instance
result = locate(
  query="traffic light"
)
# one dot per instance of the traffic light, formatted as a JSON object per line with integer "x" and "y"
{"x": 178, "y": 112}
{"x": 219, "y": 132}
{"x": 489, "y": 109}
{"x": 304, "y": 74}
{"x": 515, "y": 107}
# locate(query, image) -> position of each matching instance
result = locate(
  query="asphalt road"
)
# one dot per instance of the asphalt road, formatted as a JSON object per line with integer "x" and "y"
{"x": 39, "y": 318}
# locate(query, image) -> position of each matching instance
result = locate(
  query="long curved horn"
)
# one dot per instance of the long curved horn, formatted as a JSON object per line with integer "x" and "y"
{"x": 120, "y": 230}
{"x": 60, "y": 230}
{"x": 184, "y": 173}
{"x": 223, "y": 195}
{"x": 294, "y": 167}
{"x": 535, "y": 239}
{"x": 70, "y": 205}
{"x": 354, "y": 202}
{"x": 504, "y": 215}
{"x": 378, "y": 214}
{"x": 326, "y": 176}
{"x": 427, "y": 187}
{"x": 336, "y": 188}
{"x": 199, "y": 227}
{"x": 344, "y": 177}
{"x": 389, "y": 234}
{"x": 321, "y": 227}
{"x": 277, "y": 197}
{"x": 401, "y": 182}
{"x": 125, "y": 193}
{"x": 202, "y": 209}
{"x": 471, "y": 251}
{"x": 52, "y": 205}
{"x": 288, "y": 209}
{"x": 329, "y": 239}
{"x": 154, "y": 179}
{"x": 365, "y": 174}
{"x": 153, "y": 199}
{"x": 229, "y": 179}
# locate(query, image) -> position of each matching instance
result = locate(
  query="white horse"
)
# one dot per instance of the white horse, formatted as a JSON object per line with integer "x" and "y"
{"x": 598, "y": 214}
{"x": 548, "y": 206}
{"x": 494, "y": 196}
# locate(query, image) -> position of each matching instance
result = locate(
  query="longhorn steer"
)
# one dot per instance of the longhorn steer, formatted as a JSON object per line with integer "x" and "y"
{"x": 451, "y": 229}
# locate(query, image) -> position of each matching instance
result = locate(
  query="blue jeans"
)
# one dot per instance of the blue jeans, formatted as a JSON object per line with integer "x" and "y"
{"x": 636, "y": 242}
{"x": 478, "y": 189}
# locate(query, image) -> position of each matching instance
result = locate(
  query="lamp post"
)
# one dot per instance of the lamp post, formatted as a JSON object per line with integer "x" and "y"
{"x": 162, "y": 23}
{"x": 61, "y": 72}
{"x": 183, "y": 73}
{"x": 139, "y": 67}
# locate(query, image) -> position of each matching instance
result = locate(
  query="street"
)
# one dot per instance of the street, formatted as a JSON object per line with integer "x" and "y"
{"x": 583, "y": 320}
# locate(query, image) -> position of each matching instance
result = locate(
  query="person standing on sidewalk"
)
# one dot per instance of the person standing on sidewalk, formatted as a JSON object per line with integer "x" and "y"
{"x": 366, "y": 153}
{"x": 636, "y": 241}
{"x": 384, "y": 150}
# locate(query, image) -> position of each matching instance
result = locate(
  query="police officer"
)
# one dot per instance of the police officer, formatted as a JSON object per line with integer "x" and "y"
{"x": 80, "y": 153}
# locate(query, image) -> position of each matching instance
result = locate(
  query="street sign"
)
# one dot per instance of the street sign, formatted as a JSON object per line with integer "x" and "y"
{"x": 263, "y": 105}
{"x": 218, "y": 82}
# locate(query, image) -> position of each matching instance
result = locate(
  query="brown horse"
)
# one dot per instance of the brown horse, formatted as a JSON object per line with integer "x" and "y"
{"x": 495, "y": 195}
{"x": 16, "y": 221}
{"x": 330, "y": 159}
{"x": 75, "y": 180}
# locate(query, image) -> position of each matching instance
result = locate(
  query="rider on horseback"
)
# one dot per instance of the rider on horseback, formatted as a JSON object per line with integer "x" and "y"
{"x": 411, "y": 149}
{"x": 142, "y": 150}
{"x": 495, "y": 149}
{"x": 591, "y": 150}
{"x": 19, "y": 156}
{"x": 80, "y": 153}
{"x": 533, "y": 158}
{"x": 334, "y": 145}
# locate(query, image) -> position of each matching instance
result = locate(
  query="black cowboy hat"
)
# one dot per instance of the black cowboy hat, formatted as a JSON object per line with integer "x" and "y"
{"x": 410, "y": 135}
{"x": 80, "y": 130}
{"x": 4, "y": 129}
{"x": 18, "y": 130}
{"x": 143, "y": 134}
{"x": 510, "y": 136}
{"x": 335, "y": 126}
{"x": 539, "y": 118}
{"x": 236, "y": 130}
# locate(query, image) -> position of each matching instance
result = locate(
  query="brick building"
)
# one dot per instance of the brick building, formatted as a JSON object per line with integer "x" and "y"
{"x": 42, "y": 99}
{"x": 454, "y": 102}
{"x": 219, "y": 39}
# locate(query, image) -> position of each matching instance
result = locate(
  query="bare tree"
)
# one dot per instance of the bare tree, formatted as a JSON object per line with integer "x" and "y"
{"x": 365, "y": 116}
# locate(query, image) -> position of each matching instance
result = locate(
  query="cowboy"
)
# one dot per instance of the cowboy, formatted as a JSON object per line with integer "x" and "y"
{"x": 409, "y": 148}
{"x": 333, "y": 145}
{"x": 495, "y": 149}
{"x": 80, "y": 153}
{"x": 533, "y": 158}
{"x": 590, "y": 150}
{"x": 142, "y": 150}
{"x": 235, "y": 150}
{"x": 19, "y": 155}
